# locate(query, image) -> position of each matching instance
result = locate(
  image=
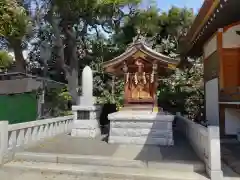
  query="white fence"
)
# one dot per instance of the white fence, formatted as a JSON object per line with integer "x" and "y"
{"x": 16, "y": 136}
{"x": 206, "y": 143}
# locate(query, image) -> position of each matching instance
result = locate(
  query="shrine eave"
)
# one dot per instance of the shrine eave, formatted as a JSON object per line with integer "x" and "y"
{"x": 140, "y": 47}
{"x": 214, "y": 14}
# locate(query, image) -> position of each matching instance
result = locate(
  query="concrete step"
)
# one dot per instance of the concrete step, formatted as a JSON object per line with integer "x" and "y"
{"x": 103, "y": 171}
{"x": 13, "y": 174}
{"x": 181, "y": 166}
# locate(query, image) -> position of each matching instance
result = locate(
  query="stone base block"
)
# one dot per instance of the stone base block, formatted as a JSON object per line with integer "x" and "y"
{"x": 86, "y": 120}
{"x": 86, "y": 128}
{"x": 145, "y": 140}
{"x": 86, "y": 133}
{"x": 141, "y": 128}
{"x": 215, "y": 175}
{"x": 130, "y": 132}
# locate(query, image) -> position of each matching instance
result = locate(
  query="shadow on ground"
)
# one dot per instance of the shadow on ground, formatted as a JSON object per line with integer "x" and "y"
{"x": 230, "y": 153}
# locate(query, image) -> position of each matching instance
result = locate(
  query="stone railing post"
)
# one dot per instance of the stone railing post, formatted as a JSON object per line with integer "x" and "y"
{"x": 214, "y": 157}
{"x": 3, "y": 140}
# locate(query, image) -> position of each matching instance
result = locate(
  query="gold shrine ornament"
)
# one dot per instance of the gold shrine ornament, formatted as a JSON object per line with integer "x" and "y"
{"x": 139, "y": 54}
{"x": 172, "y": 66}
{"x": 155, "y": 109}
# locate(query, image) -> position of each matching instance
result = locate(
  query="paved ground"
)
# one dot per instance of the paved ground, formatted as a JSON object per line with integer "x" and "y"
{"x": 24, "y": 175}
{"x": 230, "y": 150}
{"x": 70, "y": 145}
{"x": 229, "y": 174}
{"x": 65, "y": 144}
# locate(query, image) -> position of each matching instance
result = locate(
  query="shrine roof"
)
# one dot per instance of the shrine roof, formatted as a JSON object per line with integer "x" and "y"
{"x": 143, "y": 48}
{"x": 214, "y": 14}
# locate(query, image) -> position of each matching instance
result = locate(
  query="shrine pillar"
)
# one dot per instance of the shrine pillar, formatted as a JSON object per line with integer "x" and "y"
{"x": 155, "y": 85}
{"x": 113, "y": 88}
{"x": 126, "y": 78}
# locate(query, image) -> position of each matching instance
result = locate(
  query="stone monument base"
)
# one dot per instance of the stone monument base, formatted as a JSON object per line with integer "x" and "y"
{"x": 86, "y": 121}
{"x": 141, "y": 128}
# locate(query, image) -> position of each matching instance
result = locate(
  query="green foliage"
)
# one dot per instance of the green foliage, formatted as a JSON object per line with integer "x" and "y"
{"x": 184, "y": 92}
{"x": 146, "y": 21}
{"x": 15, "y": 26}
{"x": 14, "y": 21}
{"x": 174, "y": 24}
{"x": 93, "y": 13}
{"x": 107, "y": 96}
{"x": 6, "y": 60}
{"x": 57, "y": 100}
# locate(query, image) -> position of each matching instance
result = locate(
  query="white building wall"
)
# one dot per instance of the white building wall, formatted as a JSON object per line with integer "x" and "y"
{"x": 232, "y": 121}
{"x": 212, "y": 106}
{"x": 230, "y": 38}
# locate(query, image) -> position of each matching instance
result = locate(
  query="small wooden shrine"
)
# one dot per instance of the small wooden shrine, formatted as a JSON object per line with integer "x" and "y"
{"x": 141, "y": 67}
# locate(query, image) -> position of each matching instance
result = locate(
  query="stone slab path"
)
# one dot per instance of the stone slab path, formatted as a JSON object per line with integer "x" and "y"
{"x": 65, "y": 144}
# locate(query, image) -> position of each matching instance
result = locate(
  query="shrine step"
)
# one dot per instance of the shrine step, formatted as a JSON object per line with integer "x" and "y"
{"x": 181, "y": 166}
{"x": 101, "y": 172}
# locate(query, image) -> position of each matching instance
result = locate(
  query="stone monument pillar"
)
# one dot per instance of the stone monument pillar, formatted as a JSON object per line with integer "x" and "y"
{"x": 86, "y": 114}
{"x": 87, "y": 98}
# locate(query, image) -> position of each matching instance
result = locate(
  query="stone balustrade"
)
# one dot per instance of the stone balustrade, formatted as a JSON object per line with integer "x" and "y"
{"x": 206, "y": 143}
{"x": 15, "y": 136}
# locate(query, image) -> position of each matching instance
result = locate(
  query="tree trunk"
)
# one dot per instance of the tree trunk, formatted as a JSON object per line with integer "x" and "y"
{"x": 72, "y": 78}
{"x": 66, "y": 54}
{"x": 70, "y": 54}
{"x": 20, "y": 61}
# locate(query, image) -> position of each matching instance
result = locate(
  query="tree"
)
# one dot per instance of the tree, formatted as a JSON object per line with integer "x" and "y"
{"x": 14, "y": 25}
{"x": 71, "y": 22}
{"x": 142, "y": 22}
{"x": 174, "y": 25}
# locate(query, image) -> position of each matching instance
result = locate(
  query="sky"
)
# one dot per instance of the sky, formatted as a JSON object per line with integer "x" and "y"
{"x": 167, "y": 4}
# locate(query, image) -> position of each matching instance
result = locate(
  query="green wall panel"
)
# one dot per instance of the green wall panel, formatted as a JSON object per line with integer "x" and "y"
{"x": 18, "y": 108}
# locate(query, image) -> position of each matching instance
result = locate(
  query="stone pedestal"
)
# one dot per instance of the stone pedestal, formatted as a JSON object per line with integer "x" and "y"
{"x": 141, "y": 128}
{"x": 86, "y": 121}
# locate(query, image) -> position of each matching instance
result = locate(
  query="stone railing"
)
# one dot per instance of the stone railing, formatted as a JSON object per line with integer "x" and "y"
{"x": 206, "y": 143}
{"x": 15, "y": 136}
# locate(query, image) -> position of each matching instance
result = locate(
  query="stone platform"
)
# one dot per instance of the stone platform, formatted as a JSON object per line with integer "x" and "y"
{"x": 94, "y": 158}
{"x": 141, "y": 127}
{"x": 181, "y": 152}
